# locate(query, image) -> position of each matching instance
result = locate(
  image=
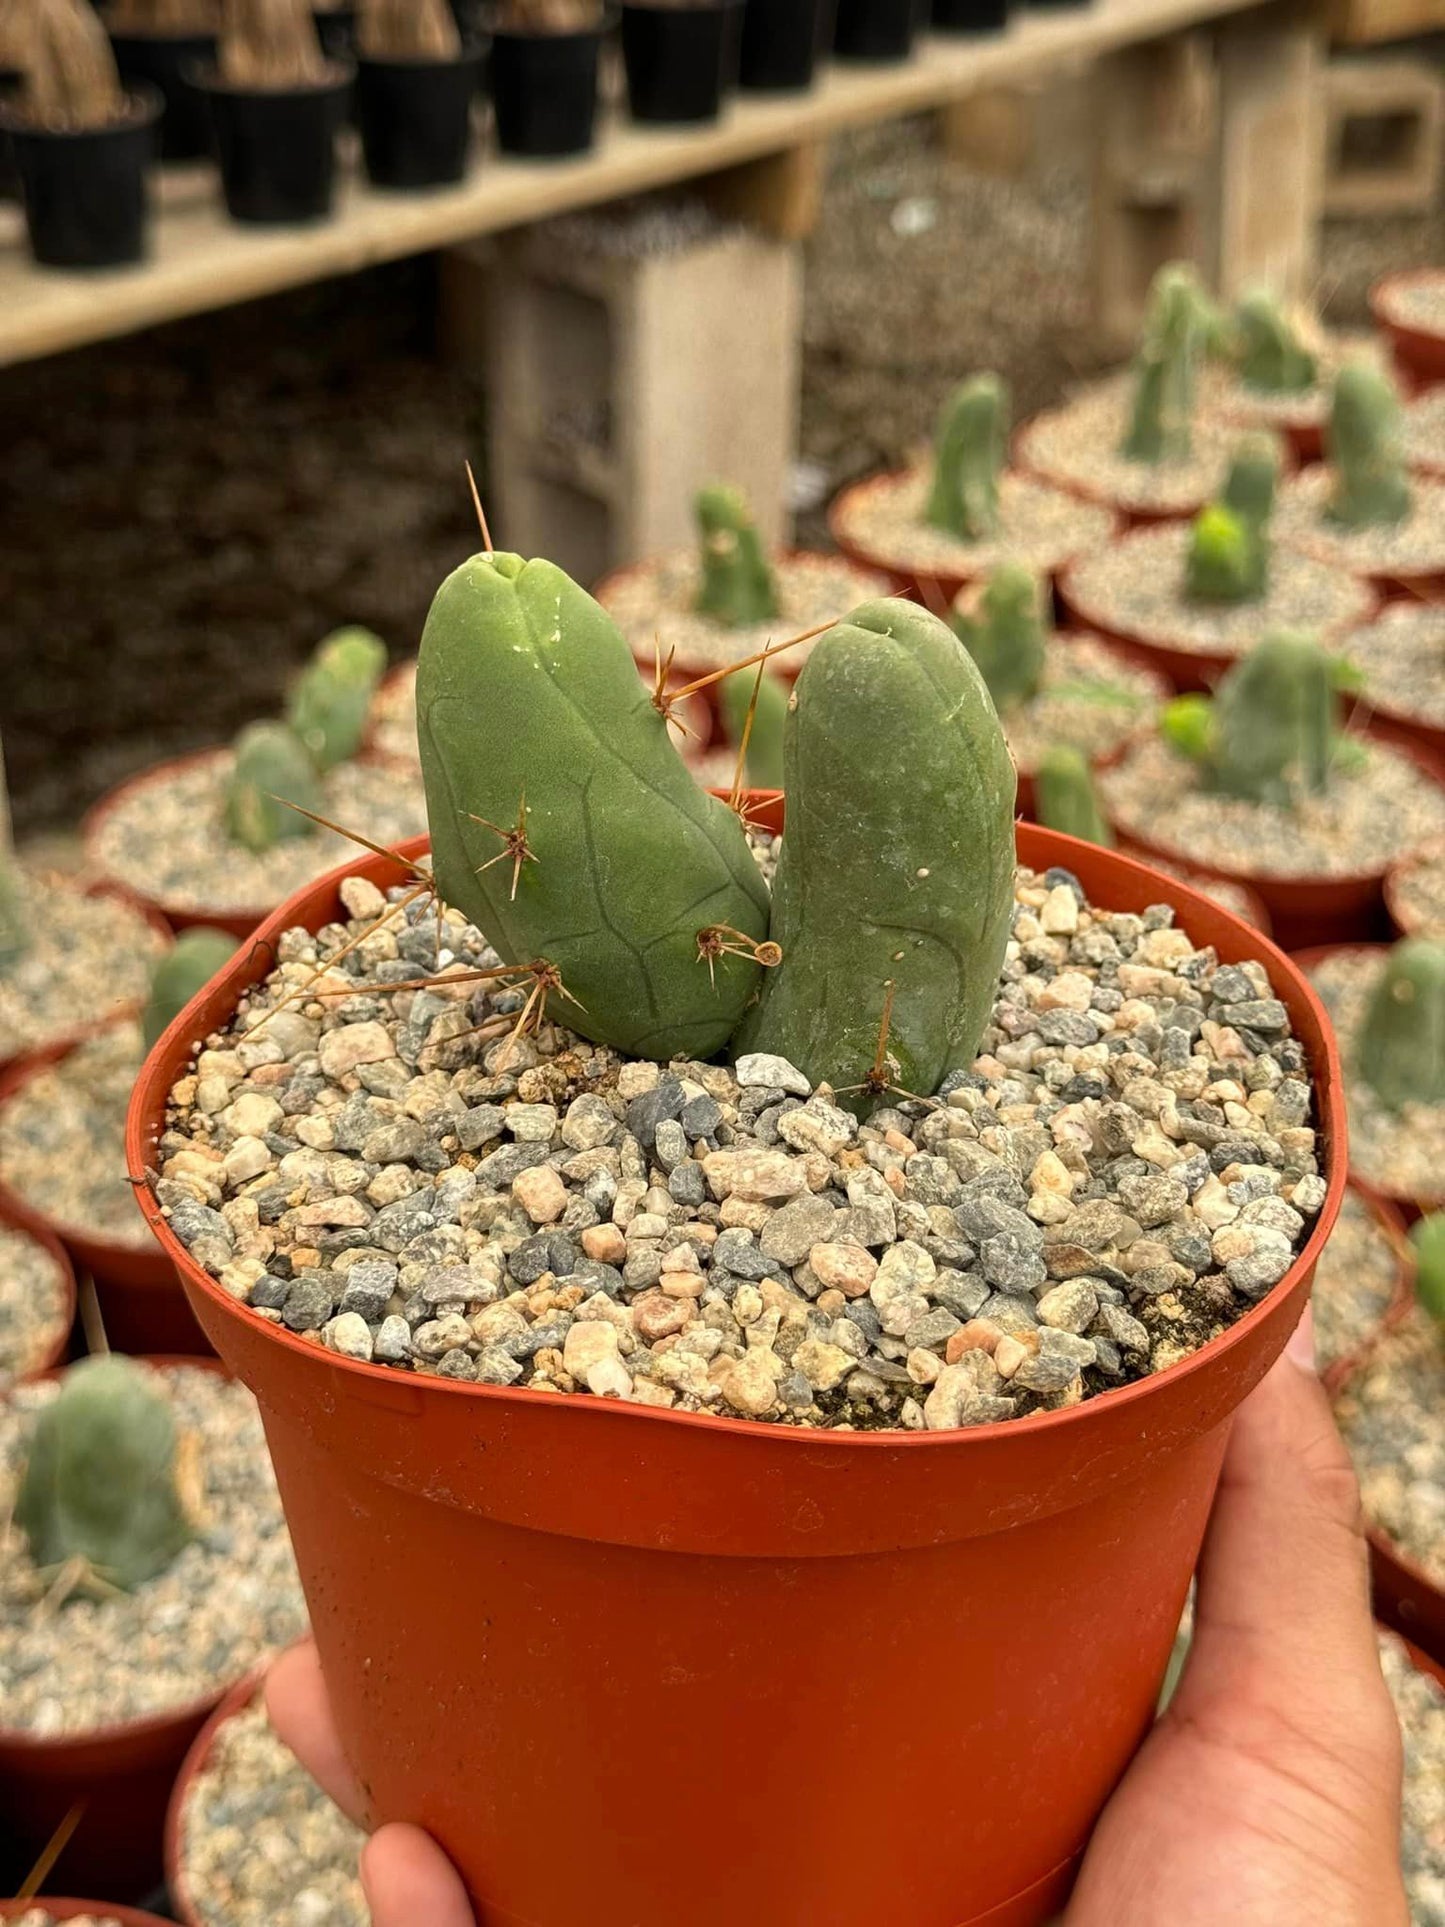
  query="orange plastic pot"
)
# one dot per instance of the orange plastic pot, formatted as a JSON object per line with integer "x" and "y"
{"x": 141, "y": 1306}
{"x": 1422, "y": 1661}
{"x": 70, "y": 1909}
{"x": 1419, "y": 352}
{"x": 121, "y": 1776}
{"x": 664, "y": 1601}
{"x": 49, "y": 1243}
{"x": 1255, "y": 912}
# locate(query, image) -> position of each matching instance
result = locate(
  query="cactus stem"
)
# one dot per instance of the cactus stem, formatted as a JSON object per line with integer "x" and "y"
{"x": 481, "y": 512}
{"x": 514, "y": 843}
{"x": 721, "y": 940}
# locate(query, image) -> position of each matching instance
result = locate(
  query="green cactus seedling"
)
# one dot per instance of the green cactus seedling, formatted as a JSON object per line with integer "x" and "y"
{"x": 272, "y": 769}
{"x": 1366, "y": 446}
{"x": 970, "y": 453}
{"x": 1401, "y": 1049}
{"x": 737, "y": 586}
{"x": 102, "y": 1490}
{"x": 764, "y": 760}
{"x": 1428, "y": 1237}
{"x": 1274, "y": 358}
{"x": 1272, "y": 725}
{"x": 1005, "y": 633}
{"x": 1187, "y": 725}
{"x": 1065, "y": 798}
{"x": 187, "y": 967}
{"x": 1161, "y": 415}
{"x": 1229, "y": 549}
{"x": 530, "y": 710}
{"x": 332, "y": 696}
{"x": 893, "y": 899}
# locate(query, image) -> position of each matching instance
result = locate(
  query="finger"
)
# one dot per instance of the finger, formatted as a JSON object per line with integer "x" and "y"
{"x": 408, "y": 1880}
{"x": 299, "y": 1709}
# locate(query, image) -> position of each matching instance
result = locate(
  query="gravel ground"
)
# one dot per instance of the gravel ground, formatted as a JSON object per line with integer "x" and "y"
{"x": 89, "y": 958}
{"x": 1402, "y": 1153}
{"x": 1402, "y": 653}
{"x": 1091, "y": 698}
{"x": 1389, "y": 1417}
{"x": 1040, "y": 526}
{"x": 1092, "y": 1202}
{"x": 261, "y": 1845}
{"x": 1416, "y": 547}
{"x": 1224, "y": 394}
{"x": 1355, "y": 1282}
{"x": 1136, "y": 588}
{"x": 62, "y": 1139}
{"x": 1420, "y": 303}
{"x": 231, "y": 1597}
{"x": 1387, "y": 807}
{"x": 1425, "y": 431}
{"x": 166, "y": 839}
{"x": 1417, "y": 894}
{"x": 1420, "y": 1704}
{"x": 34, "y": 1307}
{"x": 1077, "y": 446}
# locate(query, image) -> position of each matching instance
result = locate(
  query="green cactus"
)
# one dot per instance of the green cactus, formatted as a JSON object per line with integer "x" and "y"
{"x": 1065, "y": 798}
{"x": 764, "y": 760}
{"x": 1175, "y": 333}
{"x": 1006, "y": 634}
{"x": 332, "y": 696}
{"x": 1366, "y": 446}
{"x": 736, "y": 586}
{"x": 14, "y": 928}
{"x": 1229, "y": 549}
{"x": 889, "y": 875}
{"x": 1273, "y": 356}
{"x": 186, "y": 968}
{"x": 1400, "y": 1053}
{"x": 271, "y": 769}
{"x": 1428, "y": 1237}
{"x": 102, "y": 1486}
{"x": 1272, "y": 724}
{"x": 530, "y": 710}
{"x": 970, "y": 453}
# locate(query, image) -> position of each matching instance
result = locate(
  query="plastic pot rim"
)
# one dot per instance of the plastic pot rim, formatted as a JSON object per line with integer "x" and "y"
{"x": 144, "y": 107}
{"x": 1039, "y": 849}
{"x": 210, "y": 80}
{"x": 474, "y": 51}
{"x": 610, "y": 17}
{"x": 1422, "y": 346}
{"x": 1399, "y": 870}
{"x": 53, "y": 1357}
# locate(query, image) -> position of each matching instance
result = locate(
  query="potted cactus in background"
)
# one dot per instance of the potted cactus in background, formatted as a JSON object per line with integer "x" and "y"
{"x": 276, "y": 103}
{"x": 158, "y": 43}
{"x": 82, "y": 144}
{"x": 1409, "y": 309}
{"x": 545, "y": 60}
{"x": 415, "y": 83}
{"x": 1277, "y": 371}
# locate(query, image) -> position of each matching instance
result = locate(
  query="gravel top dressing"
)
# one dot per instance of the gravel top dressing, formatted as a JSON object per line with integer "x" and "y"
{"x": 1389, "y": 1417}
{"x": 1225, "y": 394}
{"x": 1402, "y": 653}
{"x": 1233, "y": 896}
{"x": 228, "y": 1600}
{"x": 260, "y": 1844}
{"x": 1418, "y": 302}
{"x": 1417, "y": 893}
{"x": 34, "y": 1307}
{"x": 1090, "y": 699}
{"x": 1354, "y": 1282}
{"x": 88, "y": 958}
{"x": 1128, "y": 1166}
{"x": 1425, "y": 431}
{"x": 1401, "y": 1152}
{"x": 1420, "y": 1706}
{"x": 1415, "y": 546}
{"x": 1136, "y": 588}
{"x": 166, "y": 838}
{"x": 62, "y": 1138}
{"x": 653, "y": 606}
{"x": 1388, "y": 805}
{"x": 1040, "y": 526}
{"x": 1078, "y": 446}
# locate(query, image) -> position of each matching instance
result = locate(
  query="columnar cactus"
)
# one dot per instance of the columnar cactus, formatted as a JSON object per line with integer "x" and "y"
{"x": 1274, "y": 356}
{"x": 1400, "y": 1052}
{"x": 1271, "y": 726}
{"x": 894, "y": 889}
{"x": 332, "y": 696}
{"x": 271, "y": 45}
{"x": 530, "y": 711}
{"x": 970, "y": 453}
{"x": 1065, "y": 798}
{"x": 549, "y": 16}
{"x": 408, "y": 30}
{"x": 102, "y": 1486}
{"x": 1428, "y": 1237}
{"x": 764, "y": 760}
{"x": 1366, "y": 446}
{"x": 1229, "y": 549}
{"x": 736, "y": 586}
{"x": 1161, "y": 416}
{"x": 271, "y": 769}
{"x": 1006, "y": 633}
{"x": 70, "y": 78}
{"x": 187, "y": 967}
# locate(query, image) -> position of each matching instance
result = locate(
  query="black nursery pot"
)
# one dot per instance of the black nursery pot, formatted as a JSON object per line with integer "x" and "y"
{"x": 10, "y": 78}
{"x": 336, "y": 30}
{"x": 677, "y": 59}
{"x": 970, "y": 16}
{"x": 416, "y": 119}
{"x": 875, "y": 29}
{"x": 277, "y": 150}
{"x": 85, "y": 193}
{"x": 782, "y": 43}
{"x": 163, "y": 61}
{"x": 544, "y": 90}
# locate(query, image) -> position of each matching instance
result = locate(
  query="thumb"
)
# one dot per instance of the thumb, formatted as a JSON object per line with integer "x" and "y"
{"x": 409, "y": 1881}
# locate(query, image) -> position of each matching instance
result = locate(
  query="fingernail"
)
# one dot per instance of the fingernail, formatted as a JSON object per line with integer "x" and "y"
{"x": 1300, "y": 1349}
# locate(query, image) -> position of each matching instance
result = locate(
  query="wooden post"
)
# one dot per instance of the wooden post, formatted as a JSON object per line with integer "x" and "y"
{"x": 780, "y": 195}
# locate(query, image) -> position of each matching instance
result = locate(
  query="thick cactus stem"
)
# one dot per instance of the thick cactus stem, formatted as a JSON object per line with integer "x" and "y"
{"x": 527, "y": 690}
{"x": 1065, "y": 798}
{"x": 1006, "y": 634}
{"x": 763, "y": 761}
{"x": 1401, "y": 1048}
{"x": 1366, "y": 446}
{"x": 332, "y": 696}
{"x": 1275, "y": 722}
{"x": 272, "y": 769}
{"x": 1274, "y": 357}
{"x": 1161, "y": 418}
{"x": 408, "y": 30}
{"x": 1428, "y": 1237}
{"x": 187, "y": 967}
{"x": 737, "y": 586}
{"x": 101, "y": 1485}
{"x": 1229, "y": 550}
{"x": 970, "y": 453}
{"x": 889, "y": 874}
